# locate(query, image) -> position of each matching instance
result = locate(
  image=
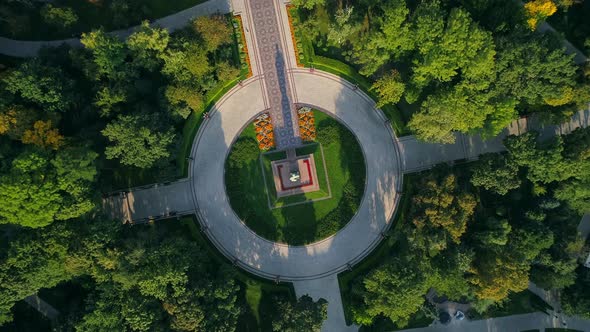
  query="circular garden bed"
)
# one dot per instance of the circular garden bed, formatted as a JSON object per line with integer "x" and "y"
{"x": 306, "y": 217}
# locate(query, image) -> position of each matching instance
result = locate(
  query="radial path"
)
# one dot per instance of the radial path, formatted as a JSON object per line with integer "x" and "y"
{"x": 277, "y": 88}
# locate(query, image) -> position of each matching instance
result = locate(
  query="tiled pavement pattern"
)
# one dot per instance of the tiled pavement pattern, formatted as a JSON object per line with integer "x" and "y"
{"x": 277, "y": 88}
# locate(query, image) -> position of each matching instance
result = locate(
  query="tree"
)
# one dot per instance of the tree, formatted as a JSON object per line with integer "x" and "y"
{"x": 46, "y": 86}
{"x": 390, "y": 40}
{"x": 494, "y": 233}
{"x": 495, "y": 173}
{"x": 395, "y": 290}
{"x": 390, "y": 88}
{"x": 544, "y": 164}
{"x": 136, "y": 141}
{"x": 109, "y": 98}
{"x": 214, "y": 30}
{"x": 37, "y": 191}
{"x": 160, "y": 289}
{"x": 108, "y": 55}
{"x": 304, "y": 315}
{"x": 575, "y": 299}
{"x": 576, "y": 193}
{"x": 60, "y": 17}
{"x": 148, "y": 45}
{"x": 183, "y": 100}
{"x": 226, "y": 72}
{"x": 533, "y": 71}
{"x": 440, "y": 212}
{"x": 43, "y": 135}
{"x": 342, "y": 28}
{"x": 539, "y": 10}
{"x": 31, "y": 261}
{"x": 502, "y": 269}
{"x": 497, "y": 276}
{"x": 448, "y": 111}
{"x": 75, "y": 173}
{"x": 461, "y": 47}
{"x": 15, "y": 119}
{"x": 307, "y": 4}
{"x": 186, "y": 65}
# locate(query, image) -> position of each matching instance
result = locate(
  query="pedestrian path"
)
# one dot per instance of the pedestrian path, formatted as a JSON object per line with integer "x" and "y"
{"x": 418, "y": 155}
{"x": 30, "y": 48}
{"x": 326, "y": 288}
{"x": 269, "y": 39}
{"x": 515, "y": 323}
{"x": 42, "y": 307}
{"x": 152, "y": 202}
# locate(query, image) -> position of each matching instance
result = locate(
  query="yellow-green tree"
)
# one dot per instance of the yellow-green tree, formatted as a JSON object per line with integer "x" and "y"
{"x": 440, "y": 212}
{"x": 539, "y": 10}
{"x": 214, "y": 30}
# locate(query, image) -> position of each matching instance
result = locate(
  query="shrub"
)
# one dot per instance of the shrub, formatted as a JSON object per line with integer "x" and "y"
{"x": 59, "y": 17}
{"x": 245, "y": 150}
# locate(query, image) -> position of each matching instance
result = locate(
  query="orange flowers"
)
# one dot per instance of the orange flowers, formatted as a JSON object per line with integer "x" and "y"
{"x": 264, "y": 133}
{"x": 306, "y": 124}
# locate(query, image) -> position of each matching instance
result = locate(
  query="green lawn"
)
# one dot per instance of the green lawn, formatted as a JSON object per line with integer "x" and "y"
{"x": 30, "y": 25}
{"x": 304, "y": 223}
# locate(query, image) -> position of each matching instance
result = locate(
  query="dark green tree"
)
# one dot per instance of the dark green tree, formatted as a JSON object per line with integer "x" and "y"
{"x": 535, "y": 71}
{"x": 389, "y": 40}
{"x": 495, "y": 173}
{"x": 544, "y": 163}
{"x": 395, "y": 290}
{"x": 304, "y": 315}
{"x": 136, "y": 141}
{"x": 575, "y": 299}
{"x": 45, "y": 86}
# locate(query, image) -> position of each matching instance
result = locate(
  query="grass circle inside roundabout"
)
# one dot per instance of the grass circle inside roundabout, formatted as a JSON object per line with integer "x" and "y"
{"x": 302, "y": 218}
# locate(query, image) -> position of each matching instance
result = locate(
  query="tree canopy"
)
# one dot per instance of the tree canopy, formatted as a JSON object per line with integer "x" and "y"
{"x": 42, "y": 187}
{"x": 134, "y": 141}
{"x": 305, "y": 315}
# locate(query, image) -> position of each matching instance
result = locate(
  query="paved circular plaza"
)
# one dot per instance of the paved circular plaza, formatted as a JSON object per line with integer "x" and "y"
{"x": 333, "y": 254}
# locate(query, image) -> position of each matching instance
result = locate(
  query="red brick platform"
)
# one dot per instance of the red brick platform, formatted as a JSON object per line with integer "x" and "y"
{"x": 295, "y": 176}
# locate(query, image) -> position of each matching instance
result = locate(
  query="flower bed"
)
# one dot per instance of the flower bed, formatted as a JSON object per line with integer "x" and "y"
{"x": 307, "y": 130}
{"x": 264, "y": 133}
{"x": 242, "y": 47}
{"x": 296, "y": 41}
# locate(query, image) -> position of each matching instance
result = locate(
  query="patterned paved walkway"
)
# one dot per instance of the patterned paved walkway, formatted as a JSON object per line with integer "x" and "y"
{"x": 269, "y": 39}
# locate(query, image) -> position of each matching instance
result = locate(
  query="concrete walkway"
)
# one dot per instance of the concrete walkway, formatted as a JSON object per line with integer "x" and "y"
{"x": 30, "y": 48}
{"x": 151, "y": 202}
{"x": 418, "y": 155}
{"x": 516, "y": 323}
{"x": 328, "y": 289}
{"x": 42, "y": 307}
{"x": 330, "y": 255}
